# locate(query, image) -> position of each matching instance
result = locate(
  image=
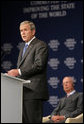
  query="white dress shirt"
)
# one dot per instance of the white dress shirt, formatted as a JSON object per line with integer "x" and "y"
{"x": 72, "y": 92}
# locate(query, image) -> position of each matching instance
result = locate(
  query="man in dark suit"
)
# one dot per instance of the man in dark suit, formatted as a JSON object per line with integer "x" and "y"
{"x": 32, "y": 65}
{"x": 69, "y": 106}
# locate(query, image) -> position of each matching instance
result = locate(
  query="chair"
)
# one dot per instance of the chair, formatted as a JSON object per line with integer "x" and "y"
{"x": 77, "y": 119}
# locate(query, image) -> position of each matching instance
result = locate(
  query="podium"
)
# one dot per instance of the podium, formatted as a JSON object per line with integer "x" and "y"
{"x": 11, "y": 98}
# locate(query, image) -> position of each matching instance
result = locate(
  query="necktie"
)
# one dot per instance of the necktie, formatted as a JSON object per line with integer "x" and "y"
{"x": 25, "y": 47}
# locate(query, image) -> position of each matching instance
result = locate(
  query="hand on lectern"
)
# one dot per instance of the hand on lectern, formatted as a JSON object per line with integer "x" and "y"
{"x": 13, "y": 72}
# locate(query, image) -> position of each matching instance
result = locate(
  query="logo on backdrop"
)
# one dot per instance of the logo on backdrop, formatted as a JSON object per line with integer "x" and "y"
{"x": 54, "y": 63}
{"x": 81, "y": 41}
{"x": 20, "y": 45}
{"x": 54, "y": 44}
{"x": 53, "y": 82}
{"x": 82, "y": 80}
{"x": 70, "y": 43}
{"x": 6, "y": 65}
{"x": 82, "y": 61}
{"x": 70, "y": 62}
{"x": 53, "y": 100}
{"x": 7, "y": 47}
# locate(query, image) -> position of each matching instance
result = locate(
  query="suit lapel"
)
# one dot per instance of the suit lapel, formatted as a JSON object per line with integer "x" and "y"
{"x": 26, "y": 53}
{"x": 64, "y": 101}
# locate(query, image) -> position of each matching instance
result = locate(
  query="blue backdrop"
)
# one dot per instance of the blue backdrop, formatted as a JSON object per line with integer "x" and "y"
{"x": 60, "y": 25}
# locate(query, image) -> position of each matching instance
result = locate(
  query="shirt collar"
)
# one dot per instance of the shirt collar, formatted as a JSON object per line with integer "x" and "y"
{"x": 30, "y": 41}
{"x": 72, "y": 92}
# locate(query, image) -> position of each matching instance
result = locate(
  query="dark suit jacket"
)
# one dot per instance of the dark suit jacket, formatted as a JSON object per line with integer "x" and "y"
{"x": 33, "y": 67}
{"x": 70, "y": 106}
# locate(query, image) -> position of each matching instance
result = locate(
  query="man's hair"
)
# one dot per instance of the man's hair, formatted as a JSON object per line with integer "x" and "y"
{"x": 72, "y": 79}
{"x": 31, "y": 24}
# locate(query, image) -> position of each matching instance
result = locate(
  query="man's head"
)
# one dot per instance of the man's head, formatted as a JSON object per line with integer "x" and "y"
{"x": 27, "y": 30}
{"x": 68, "y": 84}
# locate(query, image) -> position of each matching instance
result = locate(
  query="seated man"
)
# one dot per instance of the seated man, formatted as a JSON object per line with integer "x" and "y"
{"x": 69, "y": 106}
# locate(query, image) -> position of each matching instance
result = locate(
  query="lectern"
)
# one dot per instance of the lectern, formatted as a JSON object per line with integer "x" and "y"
{"x": 11, "y": 98}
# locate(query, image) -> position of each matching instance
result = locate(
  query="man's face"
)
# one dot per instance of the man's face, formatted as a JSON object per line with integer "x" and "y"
{"x": 67, "y": 84}
{"x": 26, "y": 33}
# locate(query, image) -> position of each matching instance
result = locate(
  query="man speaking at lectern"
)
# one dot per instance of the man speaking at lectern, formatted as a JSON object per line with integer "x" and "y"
{"x": 32, "y": 65}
